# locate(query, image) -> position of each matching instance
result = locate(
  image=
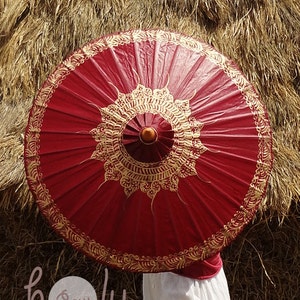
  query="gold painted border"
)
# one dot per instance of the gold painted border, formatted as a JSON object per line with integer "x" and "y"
{"x": 129, "y": 261}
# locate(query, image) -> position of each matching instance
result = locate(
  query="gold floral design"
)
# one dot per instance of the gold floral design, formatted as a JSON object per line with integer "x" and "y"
{"x": 148, "y": 177}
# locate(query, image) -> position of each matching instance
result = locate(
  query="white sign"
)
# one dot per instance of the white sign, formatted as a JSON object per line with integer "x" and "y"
{"x": 72, "y": 288}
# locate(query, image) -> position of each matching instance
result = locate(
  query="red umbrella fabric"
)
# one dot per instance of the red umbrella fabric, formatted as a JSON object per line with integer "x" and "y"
{"x": 148, "y": 150}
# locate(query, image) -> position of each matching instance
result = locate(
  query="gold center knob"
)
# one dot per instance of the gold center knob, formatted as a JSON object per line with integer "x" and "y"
{"x": 148, "y": 135}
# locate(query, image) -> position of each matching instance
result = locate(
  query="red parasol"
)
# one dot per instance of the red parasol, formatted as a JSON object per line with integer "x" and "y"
{"x": 148, "y": 150}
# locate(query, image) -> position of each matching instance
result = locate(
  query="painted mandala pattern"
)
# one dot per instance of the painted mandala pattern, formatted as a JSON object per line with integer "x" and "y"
{"x": 151, "y": 177}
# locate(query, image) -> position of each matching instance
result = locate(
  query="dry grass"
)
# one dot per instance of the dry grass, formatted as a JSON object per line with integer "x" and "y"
{"x": 262, "y": 36}
{"x": 263, "y": 263}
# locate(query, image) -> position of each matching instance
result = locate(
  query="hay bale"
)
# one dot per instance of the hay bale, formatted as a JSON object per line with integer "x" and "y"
{"x": 261, "y": 36}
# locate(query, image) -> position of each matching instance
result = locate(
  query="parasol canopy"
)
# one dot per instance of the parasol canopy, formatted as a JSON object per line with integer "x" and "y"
{"x": 148, "y": 150}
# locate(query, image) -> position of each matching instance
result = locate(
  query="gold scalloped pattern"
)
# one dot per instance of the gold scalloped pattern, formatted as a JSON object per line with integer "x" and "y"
{"x": 148, "y": 177}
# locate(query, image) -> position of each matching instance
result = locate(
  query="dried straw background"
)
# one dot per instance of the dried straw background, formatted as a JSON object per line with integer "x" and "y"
{"x": 262, "y": 36}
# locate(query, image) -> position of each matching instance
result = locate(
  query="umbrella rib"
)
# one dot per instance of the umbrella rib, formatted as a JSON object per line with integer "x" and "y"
{"x": 205, "y": 199}
{"x": 228, "y": 137}
{"x": 94, "y": 227}
{"x": 78, "y": 96}
{"x": 139, "y": 71}
{"x": 59, "y": 171}
{"x": 236, "y": 156}
{"x": 189, "y": 75}
{"x": 171, "y": 67}
{"x": 90, "y": 84}
{"x": 115, "y": 229}
{"x": 235, "y": 176}
{"x": 192, "y": 211}
{"x": 106, "y": 78}
{"x": 120, "y": 74}
{"x": 221, "y": 201}
{"x": 100, "y": 71}
{"x": 155, "y": 61}
{"x": 76, "y": 133}
{"x": 134, "y": 238}
{"x": 70, "y": 150}
{"x": 70, "y": 114}
{"x": 78, "y": 208}
{"x": 174, "y": 220}
{"x": 230, "y": 116}
{"x": 223, "y": 149}
{"x": 203, "y": 103}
